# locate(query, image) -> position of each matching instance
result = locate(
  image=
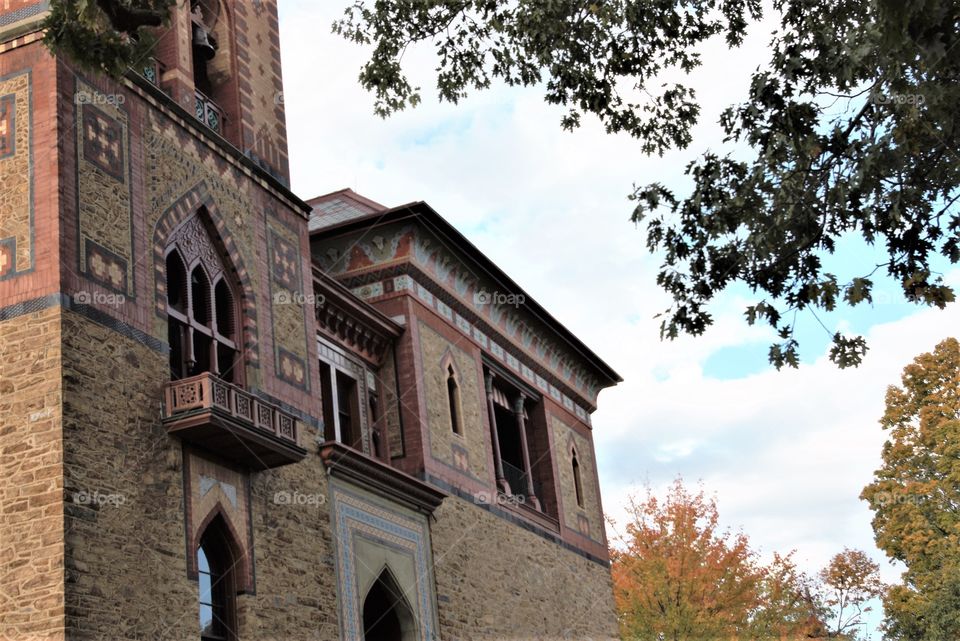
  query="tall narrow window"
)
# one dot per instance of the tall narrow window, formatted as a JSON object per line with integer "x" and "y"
{"x": 215, "y": 573}
{"x": 201, "y": 308}
{"x": 577, "y": 483}
{"x": 347, "y": 411}
{"x": 453, "y": 401}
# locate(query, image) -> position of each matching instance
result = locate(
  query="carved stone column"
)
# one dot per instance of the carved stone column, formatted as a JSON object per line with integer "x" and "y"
{"x": 502, "y": 484}
{"x": 522, "y": 426}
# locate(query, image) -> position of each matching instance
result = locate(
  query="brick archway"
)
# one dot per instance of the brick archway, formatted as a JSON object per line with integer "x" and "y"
{"x": 187, "y": 205}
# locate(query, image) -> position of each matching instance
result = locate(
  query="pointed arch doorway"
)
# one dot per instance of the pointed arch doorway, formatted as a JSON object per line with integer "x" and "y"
{"x": 386, "y": 614}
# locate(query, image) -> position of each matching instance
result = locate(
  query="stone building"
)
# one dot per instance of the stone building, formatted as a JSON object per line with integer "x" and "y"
{"x": 228, "y": 413}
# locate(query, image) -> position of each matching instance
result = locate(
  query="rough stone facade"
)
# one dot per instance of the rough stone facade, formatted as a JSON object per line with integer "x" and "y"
{"x": 31, "y": 469}
{"x": 496, "y": 581}
{"x": 467, "y": 453}
{"x": 108, "y": 485}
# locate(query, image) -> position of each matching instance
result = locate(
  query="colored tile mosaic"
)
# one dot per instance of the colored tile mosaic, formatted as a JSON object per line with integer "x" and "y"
{"x": 360, "y": 522}
{"x": 106, "y": 267}
{"x": 285, "y": 263}
{"x": 103, "y": 142}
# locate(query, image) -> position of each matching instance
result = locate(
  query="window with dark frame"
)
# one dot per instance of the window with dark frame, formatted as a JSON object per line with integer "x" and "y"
{"x": 214, "y": 573}
{"x": 349, "y": 401}
{"x": 453, "y": 401}
{"x": 577, "y": 483}
{"x": 202, "y": 319}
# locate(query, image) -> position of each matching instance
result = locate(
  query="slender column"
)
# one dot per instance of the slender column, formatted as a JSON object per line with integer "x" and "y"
{"x": 522, "y": 426}
{"x": 502, "y": 484}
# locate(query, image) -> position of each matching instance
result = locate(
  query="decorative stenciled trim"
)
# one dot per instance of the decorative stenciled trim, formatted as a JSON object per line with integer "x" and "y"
{"x": 406, "y": 283}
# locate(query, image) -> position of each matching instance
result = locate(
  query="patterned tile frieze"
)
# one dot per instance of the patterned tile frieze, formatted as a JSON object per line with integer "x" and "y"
{"x": 16, "y": 175}
{"x": 406, "y": 283}
{"x": 502, "y": 310}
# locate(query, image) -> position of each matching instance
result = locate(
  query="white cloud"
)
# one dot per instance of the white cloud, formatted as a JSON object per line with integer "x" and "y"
{"x": 787, "y": 453}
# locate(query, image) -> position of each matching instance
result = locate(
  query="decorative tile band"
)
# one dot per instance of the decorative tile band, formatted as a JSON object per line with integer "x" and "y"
{"x": 405, "y": 282}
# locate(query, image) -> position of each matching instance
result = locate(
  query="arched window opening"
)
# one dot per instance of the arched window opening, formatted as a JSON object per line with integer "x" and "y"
{"x": 215, "y": 572}
{"x": 386, "y": 614}
{"x": 224, "y": 308}
{"x": 453, "y": 401}
{"x": 176, "y": 282}
{"x": 200, "y": 296}
{"x": 577, "y": 483}
{"x": 213, "y": 65}
{"x": 202, "y": 313}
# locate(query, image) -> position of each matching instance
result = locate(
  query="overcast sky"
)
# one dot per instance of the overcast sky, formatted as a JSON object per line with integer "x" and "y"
{"x": 786, "y": 453}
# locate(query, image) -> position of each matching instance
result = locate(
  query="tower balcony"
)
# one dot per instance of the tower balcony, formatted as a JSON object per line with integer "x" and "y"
{"x": 222, "y": 418}
{"x": 209, "y": 113}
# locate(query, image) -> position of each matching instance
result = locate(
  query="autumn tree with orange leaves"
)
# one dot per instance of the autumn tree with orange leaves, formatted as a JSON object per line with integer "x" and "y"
{"x": 677, "y": 576}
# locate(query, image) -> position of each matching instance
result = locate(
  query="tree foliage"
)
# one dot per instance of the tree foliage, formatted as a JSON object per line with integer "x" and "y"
{"x": 851, "y": 581}
{"x": 107, "y": 36}
{"x": 915, "y": 496}
{"x": 678, "y": 576}
{"x": 848, "y": 129}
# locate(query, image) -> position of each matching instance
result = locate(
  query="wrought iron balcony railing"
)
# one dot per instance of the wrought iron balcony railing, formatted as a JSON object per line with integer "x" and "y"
{"x": 225, "y": 419}
{"x": 209, "y": 113}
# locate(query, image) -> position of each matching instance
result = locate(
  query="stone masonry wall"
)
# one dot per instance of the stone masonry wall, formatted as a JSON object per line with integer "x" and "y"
{"x": 496, "y": 581}
{"x": 125, "y": 542}
{"x": 465, "y": 452}
{"x": 31, "y": 457}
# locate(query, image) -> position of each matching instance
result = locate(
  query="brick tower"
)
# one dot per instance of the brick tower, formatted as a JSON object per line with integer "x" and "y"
{"x": 227, "y": 413}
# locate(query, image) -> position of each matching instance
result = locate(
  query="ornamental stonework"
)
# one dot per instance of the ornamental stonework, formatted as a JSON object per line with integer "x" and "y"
{"x": 174, "y": 164}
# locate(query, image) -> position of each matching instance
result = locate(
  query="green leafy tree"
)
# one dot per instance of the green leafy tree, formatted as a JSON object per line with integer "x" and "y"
{"x": 105, "y": 35}
{"x": 915, "y": 497}
{"x": 849, "y": 128}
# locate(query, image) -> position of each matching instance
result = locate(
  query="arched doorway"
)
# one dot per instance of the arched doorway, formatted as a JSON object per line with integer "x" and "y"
{"x": 386, "y": 614}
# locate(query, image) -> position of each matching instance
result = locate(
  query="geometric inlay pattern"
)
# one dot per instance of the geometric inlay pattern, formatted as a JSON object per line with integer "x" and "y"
{"x": 103, "y": 141}
{"x": 288, "y": 308}
{"x": 104, "y": 200}
{"x": 105, "y": 267}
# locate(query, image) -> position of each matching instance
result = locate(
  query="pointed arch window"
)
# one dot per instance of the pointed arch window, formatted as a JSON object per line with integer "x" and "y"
{"x": 202, "y": 313}
{"x": 217, "y": 588}
{"x": 386, "y": 614}
{"x": 577, "y": 482}
{"x": 453, "y": 401}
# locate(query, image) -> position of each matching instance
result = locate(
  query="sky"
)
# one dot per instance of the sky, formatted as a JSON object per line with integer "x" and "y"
{"x": 786, "y": 453}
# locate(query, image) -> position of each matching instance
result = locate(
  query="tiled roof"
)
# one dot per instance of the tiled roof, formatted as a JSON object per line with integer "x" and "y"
{"x": 340, "y": 207}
